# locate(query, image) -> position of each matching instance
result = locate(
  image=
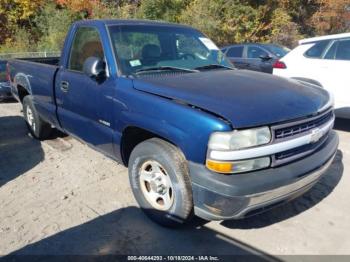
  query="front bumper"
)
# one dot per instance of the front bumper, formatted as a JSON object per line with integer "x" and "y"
{"x": 219, "y": 197}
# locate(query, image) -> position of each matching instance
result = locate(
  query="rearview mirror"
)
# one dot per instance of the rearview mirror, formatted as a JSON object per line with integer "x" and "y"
{"x": 94, "y": 67}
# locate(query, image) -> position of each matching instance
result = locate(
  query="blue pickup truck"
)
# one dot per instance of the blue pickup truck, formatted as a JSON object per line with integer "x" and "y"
{"x": 198, "y": 136}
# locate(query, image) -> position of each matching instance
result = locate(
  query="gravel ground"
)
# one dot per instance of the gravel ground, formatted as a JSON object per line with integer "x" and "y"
{"x": 61, "y": 197}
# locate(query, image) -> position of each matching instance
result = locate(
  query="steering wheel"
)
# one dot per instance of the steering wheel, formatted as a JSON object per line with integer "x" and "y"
{"x": 185, "y": 56}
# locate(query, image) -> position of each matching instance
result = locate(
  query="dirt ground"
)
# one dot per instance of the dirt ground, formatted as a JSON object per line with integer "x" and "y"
{"x": 61, "y": 197}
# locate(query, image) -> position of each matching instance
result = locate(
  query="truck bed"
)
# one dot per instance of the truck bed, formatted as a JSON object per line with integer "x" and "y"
{"x": 43, "y": 60}
{"x": 37, "y": 77}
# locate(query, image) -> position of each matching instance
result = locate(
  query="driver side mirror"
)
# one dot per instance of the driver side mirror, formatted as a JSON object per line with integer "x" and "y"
{"x": 265, "y": 57}
{"x": 94, "y": 67}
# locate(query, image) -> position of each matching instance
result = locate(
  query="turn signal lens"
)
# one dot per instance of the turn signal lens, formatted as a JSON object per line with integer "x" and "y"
{"x": 220, "y": 167}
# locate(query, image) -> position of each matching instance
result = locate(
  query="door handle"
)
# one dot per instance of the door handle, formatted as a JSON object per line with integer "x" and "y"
{"x": 64, "y": 86}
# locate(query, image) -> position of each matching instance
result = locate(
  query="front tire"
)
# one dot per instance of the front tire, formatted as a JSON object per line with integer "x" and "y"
{"x": 160, "y": 181}
{"x": 37, "y": 127}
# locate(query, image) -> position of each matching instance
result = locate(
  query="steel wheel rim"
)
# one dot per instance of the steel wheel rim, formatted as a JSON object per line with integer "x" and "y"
{"x": 156, "y": 185}
{"x": 30, "y": 118}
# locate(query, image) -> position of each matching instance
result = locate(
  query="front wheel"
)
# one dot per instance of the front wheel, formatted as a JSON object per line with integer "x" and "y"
{"x": 160, "y": 181}
{"x": 37, "y": 127}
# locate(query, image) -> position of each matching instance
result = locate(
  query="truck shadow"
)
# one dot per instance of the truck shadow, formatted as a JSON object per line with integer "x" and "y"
{"x": 57, "y": 134}
{"x": 311, "y": 198}
{"x": 128, "y": 231}
{"x": 8, "y": 101}
{"x": 18, "y": 151}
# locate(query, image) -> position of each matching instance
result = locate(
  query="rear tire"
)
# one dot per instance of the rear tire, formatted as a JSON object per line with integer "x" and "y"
{"x": 37, "y": 127}
{"x": 160, "y": 181}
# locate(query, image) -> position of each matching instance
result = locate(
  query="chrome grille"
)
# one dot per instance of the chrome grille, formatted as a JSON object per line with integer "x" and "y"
{"x": 303, "y": 127}
{"x": 296, "y": 129}
{"x": 301, "y": 149}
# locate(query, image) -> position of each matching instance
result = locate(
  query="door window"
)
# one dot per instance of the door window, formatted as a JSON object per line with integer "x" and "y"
{"x": 86, "y": 44}
{"x": 236, "y": 51}
{"x": 256, "y": 52}
{"x": 317, "y": 49}
{"x": 343, "y": 50}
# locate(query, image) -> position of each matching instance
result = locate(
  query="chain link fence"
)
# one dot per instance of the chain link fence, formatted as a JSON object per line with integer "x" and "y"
{"x": 29, "y": 55}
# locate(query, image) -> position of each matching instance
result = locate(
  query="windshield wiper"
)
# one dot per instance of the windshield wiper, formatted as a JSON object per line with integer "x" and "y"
{"x": 166, "y": 68}
{"x": 213, "y": 66}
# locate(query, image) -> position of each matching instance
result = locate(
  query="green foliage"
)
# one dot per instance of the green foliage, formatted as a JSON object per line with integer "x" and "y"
{"x": 332, "y": 17}
{"x": 30, "y": 25}
{"x": 167, "y": 10}
{"x": 300, "y": 12}
{"x": 22, "y": 41}
{"x": 52, "y": 24}
{"x": 235, "y": 21}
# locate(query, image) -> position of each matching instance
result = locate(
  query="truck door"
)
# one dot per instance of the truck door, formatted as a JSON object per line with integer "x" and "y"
{"x": 255, "y": 61}
{"x": 83, "y": 104}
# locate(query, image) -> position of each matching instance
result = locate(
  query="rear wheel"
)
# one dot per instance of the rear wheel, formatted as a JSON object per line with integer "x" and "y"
{"x": 160, "y": 182}
{"x": 37, "y": 127}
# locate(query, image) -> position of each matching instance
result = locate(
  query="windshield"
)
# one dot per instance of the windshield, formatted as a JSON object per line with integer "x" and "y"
{"x": 142, "y": 47}
{"x": 279, "y": 51}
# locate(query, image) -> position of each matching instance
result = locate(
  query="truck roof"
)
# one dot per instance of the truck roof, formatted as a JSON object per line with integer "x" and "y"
{"x": 127, "y": 22}
{"x": 320, "y": 38}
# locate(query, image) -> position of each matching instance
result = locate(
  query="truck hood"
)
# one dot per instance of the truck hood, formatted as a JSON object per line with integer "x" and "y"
{"x": 244, "y": 98}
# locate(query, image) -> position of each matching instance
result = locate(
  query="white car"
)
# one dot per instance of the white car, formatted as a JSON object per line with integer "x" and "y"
{"x": 324, "y": 61}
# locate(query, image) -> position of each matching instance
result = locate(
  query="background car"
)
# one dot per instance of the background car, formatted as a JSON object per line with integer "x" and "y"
{"x": 324, "y": 61}
{"x": 256, "y": 57}
{"x": 5, "y": 88}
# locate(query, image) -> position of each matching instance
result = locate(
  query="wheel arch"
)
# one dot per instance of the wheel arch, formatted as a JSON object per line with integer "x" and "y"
{"x": 134, "y": 135}
{"x": 23, "y": 86}
{"x": 22, "y": 92}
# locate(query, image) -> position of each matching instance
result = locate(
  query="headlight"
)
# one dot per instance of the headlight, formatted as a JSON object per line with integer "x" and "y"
{"x": 239, "y": 139}
{"x": 236, "y": 140}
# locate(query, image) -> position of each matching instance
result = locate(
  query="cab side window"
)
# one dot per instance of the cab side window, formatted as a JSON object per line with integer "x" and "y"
{"x": 236, "y": 51}
{"x": 86, "y": 43}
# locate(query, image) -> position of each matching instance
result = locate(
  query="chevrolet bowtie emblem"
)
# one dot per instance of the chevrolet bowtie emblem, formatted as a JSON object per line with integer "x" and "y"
{"x": 316, "y": 134}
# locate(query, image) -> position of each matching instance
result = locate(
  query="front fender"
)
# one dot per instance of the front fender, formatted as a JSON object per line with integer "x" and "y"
{"x": 186, "y": 127}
